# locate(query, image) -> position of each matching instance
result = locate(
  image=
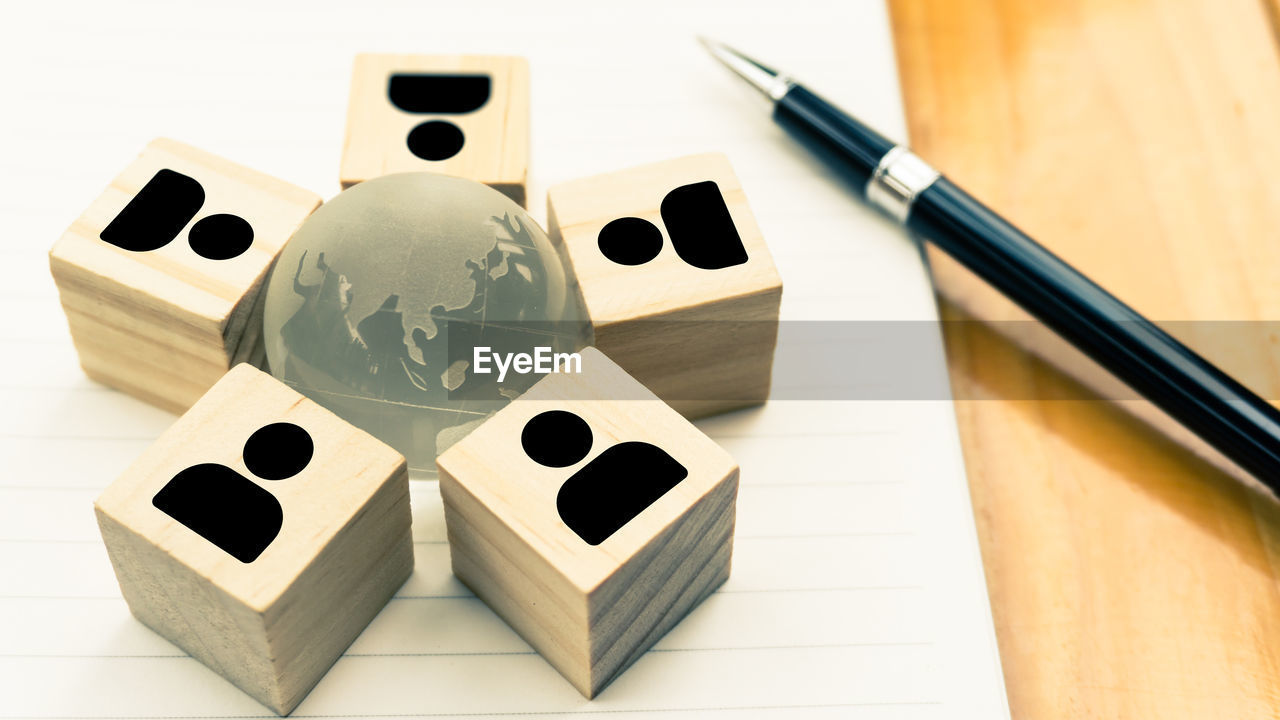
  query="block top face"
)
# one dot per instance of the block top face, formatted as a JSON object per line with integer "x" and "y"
{"x": 250, "y": 485}
{"x": 463, "y": 115}
{"x": 186, "y": 229}
{"x": 587, "y": 468}
{"x": 669, "y": 237}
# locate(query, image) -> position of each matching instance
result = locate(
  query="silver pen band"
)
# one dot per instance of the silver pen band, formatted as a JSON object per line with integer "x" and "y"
{"x": 899, "y": 177}
{"x": 779, "y": 87}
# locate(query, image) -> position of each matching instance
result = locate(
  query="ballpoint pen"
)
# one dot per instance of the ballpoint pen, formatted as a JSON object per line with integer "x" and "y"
{"x": 1207, "y": 401}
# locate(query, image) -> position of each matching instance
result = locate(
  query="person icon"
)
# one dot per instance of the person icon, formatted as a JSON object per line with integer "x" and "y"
{"x": 228, "y": 509}
{"x": 156, "y": 215}
{"x": 698, "y": 223}
{"x": 612, "y": 489}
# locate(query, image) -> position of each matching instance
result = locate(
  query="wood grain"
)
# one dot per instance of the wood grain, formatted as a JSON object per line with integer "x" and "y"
{"x": 1138, "y": 139}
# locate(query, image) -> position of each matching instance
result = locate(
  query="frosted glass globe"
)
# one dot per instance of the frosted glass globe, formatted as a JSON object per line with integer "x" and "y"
{"x": 376, "y": 304}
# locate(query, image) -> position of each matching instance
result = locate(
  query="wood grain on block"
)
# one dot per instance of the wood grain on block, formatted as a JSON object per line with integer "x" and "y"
{"x": 175, "y": 253}
{"x": 461, "y": 115}
{"x": 261, "y": 534}
{"x": 679, "y": 284}
{"x": 591, "y": 516}
{"x": 157, "y": 373}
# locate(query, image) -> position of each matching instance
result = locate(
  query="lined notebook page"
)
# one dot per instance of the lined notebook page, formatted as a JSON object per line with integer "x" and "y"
{"x": 857, "y": 587}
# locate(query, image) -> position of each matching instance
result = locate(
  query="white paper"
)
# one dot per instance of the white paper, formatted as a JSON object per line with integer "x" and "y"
{"x": 857, "y": 586}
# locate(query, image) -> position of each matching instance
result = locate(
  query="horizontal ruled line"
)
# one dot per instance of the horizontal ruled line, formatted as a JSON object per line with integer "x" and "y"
{"x": 773, "y": 435}
{"x": 737, "y": 538}
{"x": 492, "y": 653}
{"x": 721, "y": 591}
{"x": 105, "y": 438}
{"x": 523, "y": 713}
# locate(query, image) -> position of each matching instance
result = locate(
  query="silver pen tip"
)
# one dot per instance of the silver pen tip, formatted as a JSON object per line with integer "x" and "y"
{"x": 715, "y": 47}
{"x": 762, "y": 77}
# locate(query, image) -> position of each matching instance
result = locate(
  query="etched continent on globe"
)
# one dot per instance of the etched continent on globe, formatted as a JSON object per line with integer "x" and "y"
{"x": 376, "y": 303}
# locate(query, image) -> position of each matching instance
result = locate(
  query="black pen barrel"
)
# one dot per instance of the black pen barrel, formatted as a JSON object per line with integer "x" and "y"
{"x": 843, "y": 141}
{"x": 1207, "y": 401}
{"x": 1226, "y": 414}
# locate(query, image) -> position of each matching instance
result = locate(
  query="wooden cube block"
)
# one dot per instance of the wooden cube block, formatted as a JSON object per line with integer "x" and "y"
{"x": 677, "y": 280}
{"x": 591, "y": 516}
{"x": 161, "y": 277}
{"x": 261, "y": 534}
{"x": 463, "y": 115}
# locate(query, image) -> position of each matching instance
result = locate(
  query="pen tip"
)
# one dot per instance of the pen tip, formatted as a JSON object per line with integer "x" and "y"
{"x": 762, "y": 77}
{"x": 717, "y": 49}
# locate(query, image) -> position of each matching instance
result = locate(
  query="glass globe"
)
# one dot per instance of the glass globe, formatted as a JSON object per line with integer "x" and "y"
{"x": 378, "y": 302}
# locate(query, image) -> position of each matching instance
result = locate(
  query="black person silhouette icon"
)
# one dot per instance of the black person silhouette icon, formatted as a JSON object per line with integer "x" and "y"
{"x": 230, "y": 510}
{"x": 611, "y": 490}
{"x": 698, "y": 222}
{"x": 460, "y": 115}
{"x": 156, "y": 215}
{"x": 438, "y": 94}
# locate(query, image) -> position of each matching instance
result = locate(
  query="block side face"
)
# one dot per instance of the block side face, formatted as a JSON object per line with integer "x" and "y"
{"x": 167, "y": 380}
{"x": 251, "y": 345}
{"x": 700, "y": 363}
{"x": 189, "y": 610}
{"x": 375, "y": 530}
{"x": 627, "y": 650}
{"x": 491, "y": 464}
{"x": 165, "y": 393}
{"x": 336, "y": 597}
{"x": 705, "y": 524}
{"x": 656, "y": 588}
{"x": 173, "y": 279}
{"x": 495, "y": 137}
{"x": 518, "y": 593}
{"x": 345, "y": 471}
{"x": 97, "y": 315}
{"x": 87, "y": 270}
{"x": 493, "y": 526}
{"x": 617, "y": 292}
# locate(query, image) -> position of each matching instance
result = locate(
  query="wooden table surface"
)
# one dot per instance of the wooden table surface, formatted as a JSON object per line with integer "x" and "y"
{"x": 1140, "y": 140}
